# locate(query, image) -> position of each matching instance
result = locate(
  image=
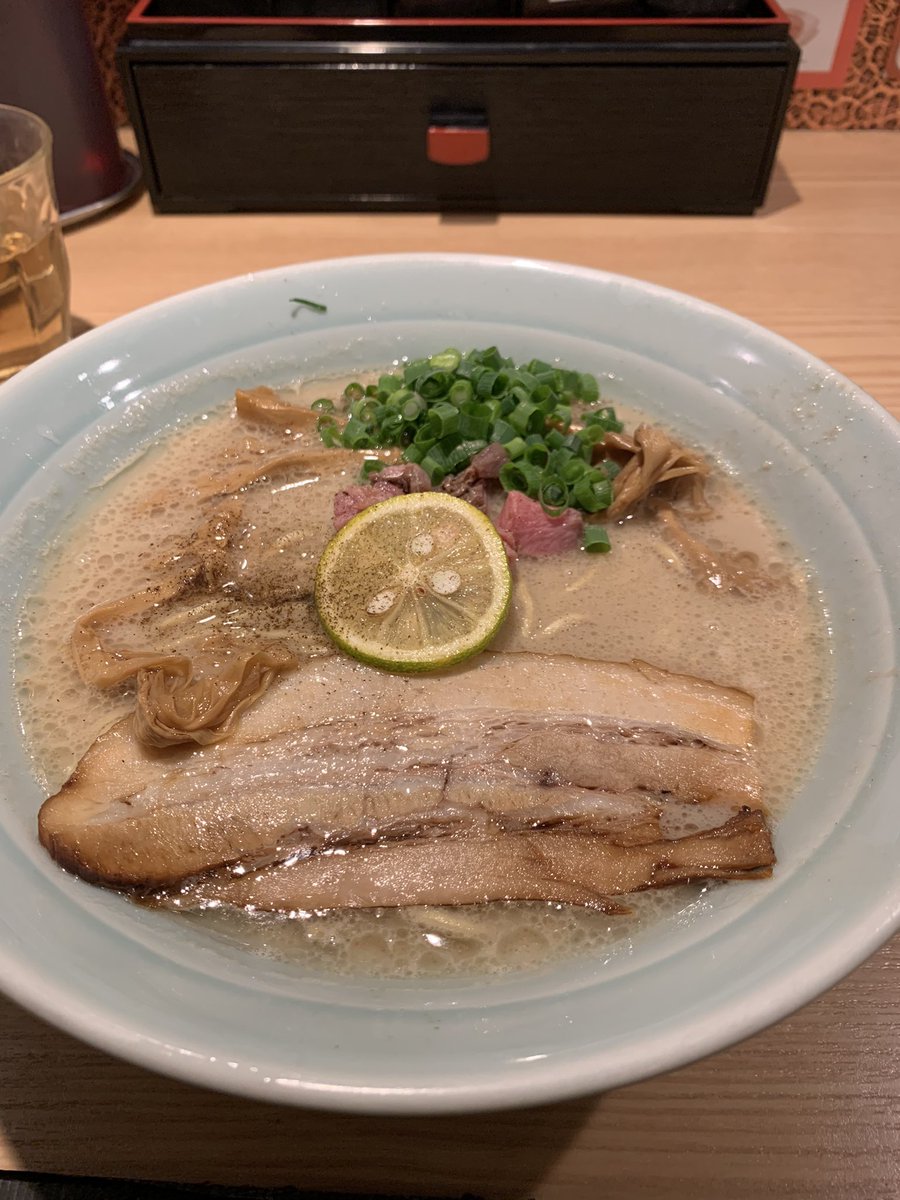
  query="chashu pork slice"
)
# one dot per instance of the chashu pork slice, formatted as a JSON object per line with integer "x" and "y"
{"x": 338, "y": 752}
{"x": 558, "y": 866}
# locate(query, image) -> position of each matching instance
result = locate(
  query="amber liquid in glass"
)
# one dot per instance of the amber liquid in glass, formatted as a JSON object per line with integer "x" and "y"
{"x": 34, "y": 287}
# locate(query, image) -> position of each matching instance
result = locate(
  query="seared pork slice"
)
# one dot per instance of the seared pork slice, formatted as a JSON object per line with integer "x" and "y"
{"x": 564, "y": 867}
{"x": 592, "y": 758}
{"x": 337, "y": 753}
{"x": 534, "y": 687}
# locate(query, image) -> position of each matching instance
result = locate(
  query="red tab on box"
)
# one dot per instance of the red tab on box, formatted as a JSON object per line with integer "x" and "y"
{"x": 458, "y": 145}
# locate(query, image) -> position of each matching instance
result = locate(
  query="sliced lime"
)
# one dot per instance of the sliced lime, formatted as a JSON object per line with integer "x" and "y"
{"x": 414, "y": 583}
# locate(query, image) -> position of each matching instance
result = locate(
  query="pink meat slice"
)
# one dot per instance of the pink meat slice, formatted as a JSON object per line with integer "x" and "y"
{"x": 408, "y": 476}
{"x": 523, "y": 525}
{"x": 353, "y": 500}
{"x": 488, "y": 462}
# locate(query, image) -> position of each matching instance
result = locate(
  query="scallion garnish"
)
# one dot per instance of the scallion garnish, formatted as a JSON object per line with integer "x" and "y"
{"x": 370, "y": 467}
{"x": 329, "y": 431}
{"x": 554, "y": 495}
{"x": 444, "y": 409}
{"x": 596, "y": 539}
{"x": 312, "y": 305}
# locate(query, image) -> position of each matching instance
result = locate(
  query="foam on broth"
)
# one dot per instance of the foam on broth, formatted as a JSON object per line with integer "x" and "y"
{"x": 639, "y": 601}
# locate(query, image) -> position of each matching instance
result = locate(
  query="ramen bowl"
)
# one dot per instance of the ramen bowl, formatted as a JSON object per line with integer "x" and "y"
{"x": 824, "y": 458}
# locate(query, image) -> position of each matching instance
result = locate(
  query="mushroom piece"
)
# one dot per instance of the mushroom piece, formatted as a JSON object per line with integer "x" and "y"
{"x": 651, "y": 458}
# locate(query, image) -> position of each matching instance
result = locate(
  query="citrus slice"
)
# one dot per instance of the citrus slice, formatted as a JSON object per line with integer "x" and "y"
{"x": 414, "y": 583}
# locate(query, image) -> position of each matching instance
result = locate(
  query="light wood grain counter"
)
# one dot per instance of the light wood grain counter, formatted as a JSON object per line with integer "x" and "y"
{"x": 809, "y": 1108}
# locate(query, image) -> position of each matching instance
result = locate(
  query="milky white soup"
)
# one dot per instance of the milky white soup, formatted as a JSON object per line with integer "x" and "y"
{"x": 639, "y": 601}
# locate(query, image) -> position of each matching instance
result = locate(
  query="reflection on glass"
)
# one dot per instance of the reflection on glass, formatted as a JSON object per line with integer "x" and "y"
{"x": 34, "y": 270}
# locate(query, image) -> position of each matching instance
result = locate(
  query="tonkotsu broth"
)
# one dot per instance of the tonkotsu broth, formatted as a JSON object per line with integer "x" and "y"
{"x": 639, "y": 601}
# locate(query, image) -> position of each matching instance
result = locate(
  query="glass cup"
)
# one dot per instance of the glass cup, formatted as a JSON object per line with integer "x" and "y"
{"x": 34, "y": 269}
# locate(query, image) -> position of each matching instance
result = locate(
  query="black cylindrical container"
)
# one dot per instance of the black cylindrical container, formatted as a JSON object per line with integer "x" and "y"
{"x": 47, "y": 65}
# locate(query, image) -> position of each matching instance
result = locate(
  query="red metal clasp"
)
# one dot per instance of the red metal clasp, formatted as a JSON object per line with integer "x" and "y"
{"x": 458, "y": 145}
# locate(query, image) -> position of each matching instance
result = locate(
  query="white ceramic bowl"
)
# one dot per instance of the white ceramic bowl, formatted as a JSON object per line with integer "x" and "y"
{"x": 154, "y": 991}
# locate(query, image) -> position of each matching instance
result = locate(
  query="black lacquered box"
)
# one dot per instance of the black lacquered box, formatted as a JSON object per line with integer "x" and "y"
{"x": 314, "y": 105}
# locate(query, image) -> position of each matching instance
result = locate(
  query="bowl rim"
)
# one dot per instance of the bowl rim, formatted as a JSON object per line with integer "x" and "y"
{"x": 821, "y": 967}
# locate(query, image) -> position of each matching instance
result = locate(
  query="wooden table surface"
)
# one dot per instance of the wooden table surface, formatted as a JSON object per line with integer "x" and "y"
{"x": 809, "y": 1108}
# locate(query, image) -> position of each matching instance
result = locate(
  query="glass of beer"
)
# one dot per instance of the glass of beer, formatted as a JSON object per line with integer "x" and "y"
{"x": 34, "y": 269}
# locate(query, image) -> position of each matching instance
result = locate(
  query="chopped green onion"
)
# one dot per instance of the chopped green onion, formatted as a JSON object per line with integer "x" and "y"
{"x": 493, "y": 359}
{"x": 562, "y": 415}
{"x": 538, "y": 454}
{"x": 371, "y": 466}
{"x": 517, "y": 394}
{"x": 592, "y": 434}
{"x": 391, "y": 427}
{"x": 447, "y": 360}
{"x": 501, "y": 384}
{"x": 515, "y": 447}
{"x": 604, "y": 417}
{"x": 461, "y": 392}
{"x": 424, "y": 432}
{"x": 521, "y": 476}
{"x": 474, "y": 424}
{"x": 367, "y": 410}
{"x": 596, "y": 540}
{"x": 593, "y": 492}
{"x": 553, "y": 495}
{"x": 414, "y": 370}
{"x": 389, "y": 383}
{"x": 435, "y": 463}
{"x": 413, "y": 407}
{"x": 312, "y": 305}
{"x": 522, "y": 417}
{"x": 588, "y": 388}
{"x": 442, "y": 410}
{"x": 484, "y": 384}
{"x": 443, "y": 419}
{"x": 434, "y": 385}
{"x": 356, "y": 436}
{"x": 537, "y": 367}
{"x": 329, "y": 431}
{"x": 503, "y": 432}
{"x": 460, "y": 456}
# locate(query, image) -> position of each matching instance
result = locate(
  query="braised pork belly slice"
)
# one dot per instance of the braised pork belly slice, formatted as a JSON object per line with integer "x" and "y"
{"x": 558, "y": 866}
{"x": 336, "y": 754}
